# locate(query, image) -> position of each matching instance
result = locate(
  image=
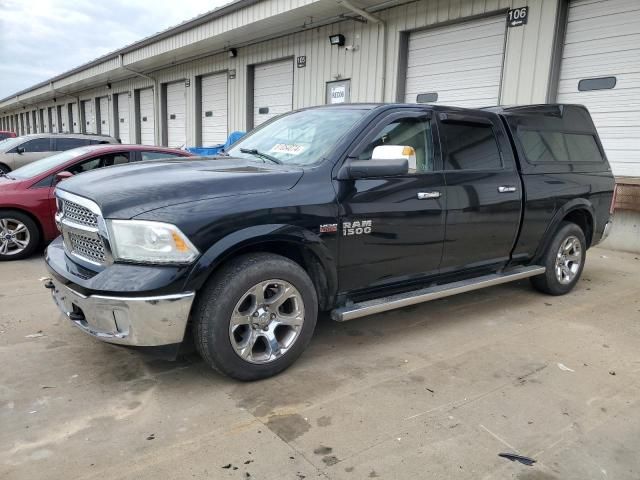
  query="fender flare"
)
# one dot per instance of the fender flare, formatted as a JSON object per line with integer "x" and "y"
{"x": 561, "y": 213}
{"x": 227, "y": 246}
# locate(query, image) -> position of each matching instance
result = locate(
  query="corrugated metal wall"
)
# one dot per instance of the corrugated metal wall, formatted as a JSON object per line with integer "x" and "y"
{"x": 528, "y": 58}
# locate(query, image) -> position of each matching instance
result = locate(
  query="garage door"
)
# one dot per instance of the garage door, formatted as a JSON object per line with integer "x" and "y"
{"x": 34, "y": 121}
{"x": 105, "y": 125}
{"x": 75, "y": 122}
{"x": 458, "y": 64}
{"x": 89, "y": 114}
{"x": 601, "y": 70}
{"x": 176, "y": 109}
{"x": 123, "y": 117}
{"x": 272, "y": 90}
{"x": 214, "y": 109}
{"x": 146, "y": 120}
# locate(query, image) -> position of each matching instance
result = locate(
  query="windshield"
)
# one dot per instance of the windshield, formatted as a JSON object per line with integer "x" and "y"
{"x": 300, "y": 138}
{"x": 40, "y": 166}
{"x": 9, "y": 143}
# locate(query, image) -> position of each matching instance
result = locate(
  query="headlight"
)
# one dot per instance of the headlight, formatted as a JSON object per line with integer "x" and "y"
{"x": 149, "y": 242}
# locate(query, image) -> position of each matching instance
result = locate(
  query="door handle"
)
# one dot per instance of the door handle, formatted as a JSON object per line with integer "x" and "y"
{"x": 428, "y": 195}
{"x": 506, "y": 189}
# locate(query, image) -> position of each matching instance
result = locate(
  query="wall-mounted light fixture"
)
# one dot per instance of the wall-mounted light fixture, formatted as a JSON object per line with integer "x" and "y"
{"x": 336, "y": 39}
{"x": 108, "y": 86}
{"x": 232, "y": 53}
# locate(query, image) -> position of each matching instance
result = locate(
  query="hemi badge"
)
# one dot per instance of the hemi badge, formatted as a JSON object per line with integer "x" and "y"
{"x": 329, "y": 228}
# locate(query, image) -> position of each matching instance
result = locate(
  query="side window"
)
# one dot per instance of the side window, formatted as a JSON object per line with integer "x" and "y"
{"x": 85, "y": 166}
{"x": 412, "y": 132}
{"x": 470, "y": 146}
{"x": 115, "y": 159}
{"x": 158, "y": 155}
{"x": 543, "y": 146}
{"x": 37, "y": 145}
{"x": 63, "y": 144}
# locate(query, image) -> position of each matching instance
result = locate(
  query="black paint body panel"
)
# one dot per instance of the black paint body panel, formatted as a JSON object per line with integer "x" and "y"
{"x": 226, "y": 205}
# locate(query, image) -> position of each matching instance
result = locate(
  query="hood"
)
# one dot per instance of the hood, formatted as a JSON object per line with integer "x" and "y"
{"x": 128, "y": 190}
{"x": 7, "y": 184}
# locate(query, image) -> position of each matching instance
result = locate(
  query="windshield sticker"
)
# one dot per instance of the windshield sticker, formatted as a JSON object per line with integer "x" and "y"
{"x": 289, "y": 148}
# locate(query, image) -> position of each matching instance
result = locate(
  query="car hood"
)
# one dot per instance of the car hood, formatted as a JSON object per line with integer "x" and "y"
{"x": 7, "y": 184}
{"x": 129, "y": 190}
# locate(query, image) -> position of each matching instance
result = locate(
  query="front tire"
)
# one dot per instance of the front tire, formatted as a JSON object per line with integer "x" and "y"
{"x": 19, "y": 235}
{"x": 255, "y": 317}
{"x": 4, "y": 168}
{"x": 564, "y": 261}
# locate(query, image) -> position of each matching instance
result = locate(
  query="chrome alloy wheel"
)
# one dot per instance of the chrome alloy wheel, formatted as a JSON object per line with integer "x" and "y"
{"x": 568, "y": 260}
{"x": 14, "y": 236}
{"x": 266, "y": 321}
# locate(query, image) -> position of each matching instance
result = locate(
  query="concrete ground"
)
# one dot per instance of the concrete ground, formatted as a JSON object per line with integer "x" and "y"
{"x": 429, "y": 392}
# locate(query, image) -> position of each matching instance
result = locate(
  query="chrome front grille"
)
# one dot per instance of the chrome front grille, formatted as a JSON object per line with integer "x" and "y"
{"x": 87, "y": 247}
{"x": 83, "y": 229}
{"x": 79, "y": 214}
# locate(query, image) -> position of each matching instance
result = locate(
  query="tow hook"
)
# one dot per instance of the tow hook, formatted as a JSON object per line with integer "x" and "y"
{"x": 47, "y": 283}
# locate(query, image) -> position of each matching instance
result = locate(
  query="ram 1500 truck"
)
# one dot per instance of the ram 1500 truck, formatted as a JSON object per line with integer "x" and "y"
{"x": 351, "y": 209}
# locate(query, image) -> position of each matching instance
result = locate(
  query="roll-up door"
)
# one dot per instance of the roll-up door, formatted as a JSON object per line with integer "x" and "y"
{"x": 75, "y": 121}
{"x": 272, "y": 90}
{"x": 458, "y": 64}
{"x": 123, "y": 117}
{"x": 214, "y": 109}
{"x": 51, "y": 114}
{"x": 89, "y": 114}
{"x": 176, "y": 110}
{"x": 146, "y": 119}
{"x": 44, "y": 126}
{"x": 34, "y": 121}
{"x": 601, "y": 69}
{"x": 105, "y": 124}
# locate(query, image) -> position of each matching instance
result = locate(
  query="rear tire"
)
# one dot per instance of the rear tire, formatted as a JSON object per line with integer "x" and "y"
{"x": 19, "y": 235}
{"x": 564, "y": 261}
{"x": 255, "y": 317}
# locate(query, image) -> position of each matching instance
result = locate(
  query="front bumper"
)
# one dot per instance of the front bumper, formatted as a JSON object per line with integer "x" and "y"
{"x": 132, "y": 321}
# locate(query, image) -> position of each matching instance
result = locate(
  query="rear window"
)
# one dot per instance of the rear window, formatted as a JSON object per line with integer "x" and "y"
{"x": 545, "y": 146}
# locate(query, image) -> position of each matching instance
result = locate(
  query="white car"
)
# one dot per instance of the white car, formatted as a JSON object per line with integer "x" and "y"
{"x": 17, "y": 152}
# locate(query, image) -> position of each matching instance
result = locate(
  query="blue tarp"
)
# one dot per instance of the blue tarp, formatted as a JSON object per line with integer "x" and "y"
{"x": 216, "y": 149}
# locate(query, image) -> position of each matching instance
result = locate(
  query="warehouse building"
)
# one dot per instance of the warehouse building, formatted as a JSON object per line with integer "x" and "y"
{"x": 238, "y": 66}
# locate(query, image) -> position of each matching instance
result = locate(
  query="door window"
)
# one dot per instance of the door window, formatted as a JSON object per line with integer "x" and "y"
{"x": 37, "y": 145}
{"x": 410, "y": 132}
{"x": 99, "y": 162}
{"x": 63, "y": 144}
{"x": 470, "y": 146}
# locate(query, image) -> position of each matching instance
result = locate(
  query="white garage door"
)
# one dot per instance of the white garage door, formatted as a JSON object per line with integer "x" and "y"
{"x": 458, "y": 64}
{"x": 42, "y": 119}
{"x": 176, "y": 109}
{"x": 214, "y": 109}
{"x": 602, "y": 50}
{"x": 105, "y": 127}
{"x": 89, "y": 112}
{"x": 122, "y": 106}
{"x": 146, "y": 119}
{"x": 272, "y": 90}
{"x": 75, "y": 122}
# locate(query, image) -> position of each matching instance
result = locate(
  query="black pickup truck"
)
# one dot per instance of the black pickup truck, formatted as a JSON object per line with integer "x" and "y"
{"x": 352, "y": 210}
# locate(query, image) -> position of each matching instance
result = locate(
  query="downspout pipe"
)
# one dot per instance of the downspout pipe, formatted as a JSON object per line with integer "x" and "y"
{"x": 156, "y": 94}
{"x": 377, "y": 20}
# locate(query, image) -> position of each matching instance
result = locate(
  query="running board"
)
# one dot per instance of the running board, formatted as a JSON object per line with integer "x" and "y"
{"x": 400, "y": 300}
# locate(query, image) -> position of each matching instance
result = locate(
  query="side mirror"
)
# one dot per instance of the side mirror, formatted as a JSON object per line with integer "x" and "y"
{"x": 388, "y": 152}
{"x": 355, "y": 169}
{"x": 20, "y": 150}
{"x": 60, "y": 176}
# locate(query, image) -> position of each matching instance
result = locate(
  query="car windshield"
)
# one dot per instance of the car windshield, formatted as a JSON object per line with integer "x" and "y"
{"x": 9, "y": 143}
{"x": 40, "y": 166}
{"x": 300, "y": 138}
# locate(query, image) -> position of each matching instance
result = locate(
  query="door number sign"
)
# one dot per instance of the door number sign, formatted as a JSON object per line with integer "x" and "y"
{"x": 517, "y": 17}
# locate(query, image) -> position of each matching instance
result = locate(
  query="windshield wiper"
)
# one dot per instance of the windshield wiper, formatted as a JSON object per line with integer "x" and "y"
{"x": 257, "y": 153}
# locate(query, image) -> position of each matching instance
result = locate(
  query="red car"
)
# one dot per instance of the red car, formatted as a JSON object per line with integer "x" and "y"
{"x": 6, "y": 134}
{"x": 27, "y": 203}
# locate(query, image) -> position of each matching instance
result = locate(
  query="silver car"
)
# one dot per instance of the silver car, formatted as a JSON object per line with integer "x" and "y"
{"x": 17, "y": 152}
